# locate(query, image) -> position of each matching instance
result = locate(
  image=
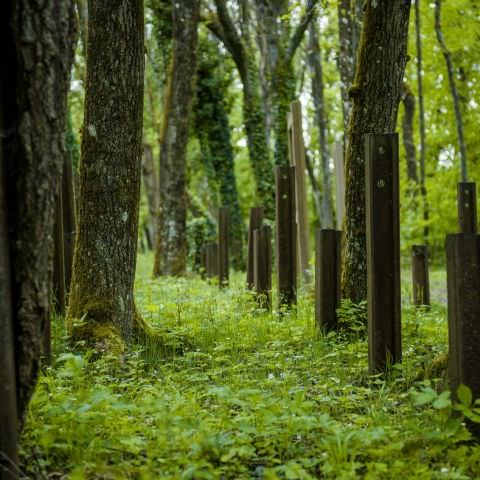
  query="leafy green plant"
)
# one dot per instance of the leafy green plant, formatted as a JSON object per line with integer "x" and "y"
{"x": 352, "y": 317}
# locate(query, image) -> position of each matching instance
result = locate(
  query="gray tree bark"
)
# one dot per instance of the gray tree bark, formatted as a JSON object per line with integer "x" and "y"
{"x": 106, "y": 244}
{"x": 171, "y": 248}
{"x": 350, "y": 14}
{"x": 376, "y": 95}
{"x": 38, "y": 39}
{"x": 318, "y": 93}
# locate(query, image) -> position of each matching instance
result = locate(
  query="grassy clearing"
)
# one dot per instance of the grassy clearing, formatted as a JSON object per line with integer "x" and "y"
{"x": 232, "y": 392}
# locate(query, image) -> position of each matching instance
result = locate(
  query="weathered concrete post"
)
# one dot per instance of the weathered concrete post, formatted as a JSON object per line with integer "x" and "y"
{"x": 383, "y": 250}
{"x": 262, "y": 240}
{"x": 256, "y": 221}
{"x": 286, "y": 252}
{"x": 327, "y": 278}
{"x": 211, "y": 260}
{"x": 467, "y": 207}
{"x": 420, "y": 280}
{"x": 223, "y": 260}
{"x": 339, "y": 182}
{"x": 463, "y": 287}
{"x": 296, "y": 151}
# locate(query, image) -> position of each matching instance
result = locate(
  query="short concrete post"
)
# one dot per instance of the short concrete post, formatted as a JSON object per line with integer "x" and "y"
{"x": 223, "y": 260}
{"x": 286, "y": 251}
{"x": 262, "y": 240}
{"x": 256, "y": 221}
{"x": 327, "y": 278}
{"x": 420, "y": 280}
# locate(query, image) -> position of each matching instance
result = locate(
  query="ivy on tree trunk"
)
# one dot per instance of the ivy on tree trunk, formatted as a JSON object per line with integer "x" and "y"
{"x": 171, "y": 248}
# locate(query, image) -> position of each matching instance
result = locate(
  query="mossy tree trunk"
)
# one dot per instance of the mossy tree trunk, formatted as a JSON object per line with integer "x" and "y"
{"x": 376, "y": 95}
{"x": 38, "y": 40}
{"x": 349, "y": 27}
{"x": 106, "y": 244}
{"x": 239, "y": 46}
{"x": 171, "y": 248}
{"x": 213, "y": 130}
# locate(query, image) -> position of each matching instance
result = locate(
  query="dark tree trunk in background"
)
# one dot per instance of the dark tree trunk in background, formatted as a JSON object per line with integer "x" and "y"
{"x": 349, "y": 28}
{"x": 376, "y": 96}
{"x": 38, "y": 39}
{"x": 68, "y": 208}
{"x": 240, "y": 48}
{"x": 408, "y": 100}
{"x": 315, "y": 63}
{"x": 453, "y": 91}
{"x": 171, "y": 248}
{"x": 106, "y": 245}
{"x": 423, "y": 143}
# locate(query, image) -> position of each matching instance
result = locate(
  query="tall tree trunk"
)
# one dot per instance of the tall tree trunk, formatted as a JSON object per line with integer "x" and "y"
{"x": 376, "y": 96}
{"x": 423, "y": 143}
{"x": 68, "y": 207}
{"x": 38, "y": 39}
{"x": 408, "y": 100}
{"x": 240, "y": 49}
{"x": 315, "y": 61}
{"x": 171, "y": 248}
{"x": 453, "y": 90}
{"x": 106, "y": 244}
{"x": 349, "y": 28}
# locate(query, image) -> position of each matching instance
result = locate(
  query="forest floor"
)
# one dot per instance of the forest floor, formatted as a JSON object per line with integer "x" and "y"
{"x": 232, "y": 392}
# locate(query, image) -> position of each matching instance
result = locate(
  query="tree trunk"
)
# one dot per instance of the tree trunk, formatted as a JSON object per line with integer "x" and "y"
{"x": 279, "y": 48}
{"x": 253, "y": 109}
{"x": 212, "y": 125}
{"x": 106, "y": 245}
{"x": 171, "y": 248}
{"x": 376, "y": 95}
{"x": 38, "y": 39}
{"x": 408, "y": 100}
{"x": 423, "y": 143}
{"x": 453, "y": 90}
{"x": 315, "y": 61}
{"x": 349, "y": 27}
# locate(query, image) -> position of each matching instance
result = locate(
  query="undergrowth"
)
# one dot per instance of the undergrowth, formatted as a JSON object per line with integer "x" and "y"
{"x": 234, "y": 392}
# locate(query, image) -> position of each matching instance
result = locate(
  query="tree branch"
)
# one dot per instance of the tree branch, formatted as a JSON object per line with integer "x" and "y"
{"x": 297, "y": 36}
{"x": 231, "y": 38}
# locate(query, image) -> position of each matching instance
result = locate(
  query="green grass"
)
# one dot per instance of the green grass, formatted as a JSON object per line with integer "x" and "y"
{"x": 231, "y": 392}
